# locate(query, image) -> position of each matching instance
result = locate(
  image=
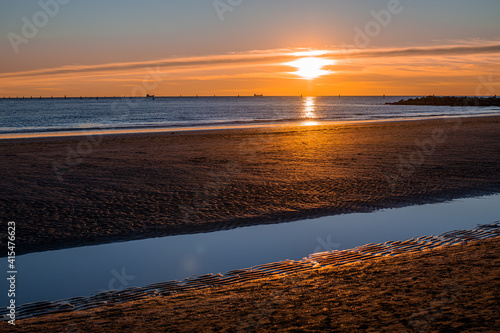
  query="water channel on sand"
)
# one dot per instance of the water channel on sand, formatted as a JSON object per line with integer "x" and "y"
{"x": 82, "y": 271}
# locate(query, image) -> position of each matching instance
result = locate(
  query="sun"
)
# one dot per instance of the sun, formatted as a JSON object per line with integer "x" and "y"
{"x": 311, "y": 67}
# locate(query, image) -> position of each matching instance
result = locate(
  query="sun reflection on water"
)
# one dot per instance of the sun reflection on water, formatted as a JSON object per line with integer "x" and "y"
{"x": 309, "y": 111}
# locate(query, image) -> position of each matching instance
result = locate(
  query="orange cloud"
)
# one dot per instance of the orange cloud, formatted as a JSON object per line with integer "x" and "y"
{"x": 452, "y": 69}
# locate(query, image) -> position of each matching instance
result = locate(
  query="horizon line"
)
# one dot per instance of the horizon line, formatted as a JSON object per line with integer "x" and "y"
{"x": 229, "y": 96}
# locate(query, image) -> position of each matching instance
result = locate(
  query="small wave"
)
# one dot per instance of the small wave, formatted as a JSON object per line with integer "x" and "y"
{"x": 19, "y": 117}
{"x": 167, "y": 124}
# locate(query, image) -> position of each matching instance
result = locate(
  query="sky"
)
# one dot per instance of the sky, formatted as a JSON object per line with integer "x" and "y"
{"x": 231, "y": 47}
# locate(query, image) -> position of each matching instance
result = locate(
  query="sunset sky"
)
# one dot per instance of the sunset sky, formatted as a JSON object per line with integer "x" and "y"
{"x": 230, "y": 47}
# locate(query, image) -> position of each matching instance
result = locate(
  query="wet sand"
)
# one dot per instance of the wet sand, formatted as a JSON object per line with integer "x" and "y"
{"x": 283, "y": 269}
{"x": 72, "y": 191}
{"x": 446, "y": 289}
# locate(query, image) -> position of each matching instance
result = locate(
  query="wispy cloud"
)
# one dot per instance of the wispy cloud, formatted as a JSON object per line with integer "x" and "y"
{"x": 426, "y": 51}
{"x": 227, "y": 60}
{"x": 254, "y": 58}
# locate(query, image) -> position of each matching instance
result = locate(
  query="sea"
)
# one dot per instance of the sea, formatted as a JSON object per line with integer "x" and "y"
{"x": 35, "y": 115}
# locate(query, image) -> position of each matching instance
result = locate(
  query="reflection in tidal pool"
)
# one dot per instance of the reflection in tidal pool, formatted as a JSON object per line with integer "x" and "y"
{"x": 81, "y": 271}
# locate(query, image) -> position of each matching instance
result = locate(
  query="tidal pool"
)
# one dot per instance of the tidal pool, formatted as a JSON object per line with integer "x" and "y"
{"x": 82, "y": 271}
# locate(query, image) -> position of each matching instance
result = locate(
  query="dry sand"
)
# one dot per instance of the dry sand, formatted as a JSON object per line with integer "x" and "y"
{"x": 71, "y": 191}
{"x": 449, "y": 289}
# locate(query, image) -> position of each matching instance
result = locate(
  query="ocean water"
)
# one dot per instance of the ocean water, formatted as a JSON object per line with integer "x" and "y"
{"x": 73, "y": 114}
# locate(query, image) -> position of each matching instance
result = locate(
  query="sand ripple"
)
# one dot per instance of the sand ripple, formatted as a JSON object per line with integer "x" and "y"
{"x": 282, "y": 268}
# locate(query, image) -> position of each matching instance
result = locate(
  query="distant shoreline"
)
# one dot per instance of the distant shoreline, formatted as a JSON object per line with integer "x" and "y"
{"x": 450, "y": 101}
{"x": 38, "y": 97}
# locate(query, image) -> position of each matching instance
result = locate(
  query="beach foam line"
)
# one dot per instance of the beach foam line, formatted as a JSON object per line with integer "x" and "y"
{"x": 273, "y": 124}
{"x": 276, "y": 269}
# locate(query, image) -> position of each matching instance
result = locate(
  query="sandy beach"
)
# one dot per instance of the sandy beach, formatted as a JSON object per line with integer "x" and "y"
{"x": 447, "y": 289}
{"x": 71, "y": 191}
{"x": 250, "y": 166}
